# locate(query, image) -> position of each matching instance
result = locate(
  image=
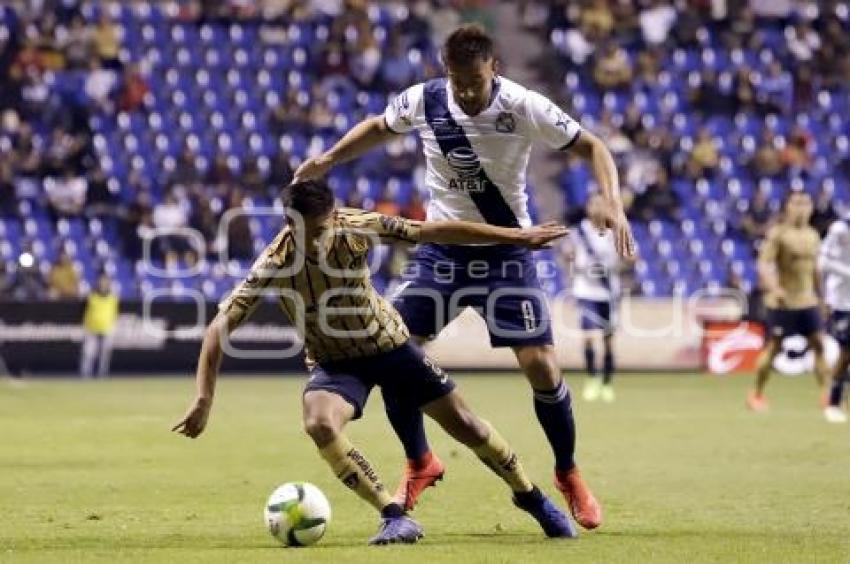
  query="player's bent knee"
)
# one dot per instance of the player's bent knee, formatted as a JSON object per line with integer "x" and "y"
{"x": 322, "y": 428}
{"x": 539, "y": 366}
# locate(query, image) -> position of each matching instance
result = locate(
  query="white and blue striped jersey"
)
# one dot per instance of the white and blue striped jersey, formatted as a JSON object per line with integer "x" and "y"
{"x": 834, "y": 263}
{"x": 595, "y": 264}
{"x": 476, "y": 165}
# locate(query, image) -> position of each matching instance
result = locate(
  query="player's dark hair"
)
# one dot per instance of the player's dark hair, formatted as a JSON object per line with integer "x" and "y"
{"x": 310, "y": 198}
{"x": 466, "y": 45}
{"x": 790, "y": 194}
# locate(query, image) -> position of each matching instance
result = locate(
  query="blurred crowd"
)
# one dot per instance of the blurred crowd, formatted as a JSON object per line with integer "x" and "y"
{"x": 757, "y": 81}
{"x": 62, "y": 68}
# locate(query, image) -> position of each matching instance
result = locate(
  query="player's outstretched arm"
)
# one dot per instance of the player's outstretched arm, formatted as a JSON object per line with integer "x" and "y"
{"x": 364, "y": 136}
{"x": 591, "y": 148}
{"x": 209, "y": 361}
{"x": 468, "y": 233}
{"x": 766, "y": 266}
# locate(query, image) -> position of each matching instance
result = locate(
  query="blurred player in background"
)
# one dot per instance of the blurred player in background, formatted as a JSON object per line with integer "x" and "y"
{"x": 596, "y": 288}
{"x": 354, "y": 340}
{"x": 99, "y": 322}
{"x": 788, "y": 273}
{"x": 477, "y": 130}
{"x": 834, "y": 263}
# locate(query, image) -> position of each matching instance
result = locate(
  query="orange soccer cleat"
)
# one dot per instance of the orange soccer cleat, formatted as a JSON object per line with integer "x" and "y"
{"x": 757, "y": 402}
{"x": 417, "y": 476}
{"x": 584, "y": 507}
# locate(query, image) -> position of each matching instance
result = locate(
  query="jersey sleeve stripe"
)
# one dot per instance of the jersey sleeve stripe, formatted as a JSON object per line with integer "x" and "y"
{"x": 571, "y": 142}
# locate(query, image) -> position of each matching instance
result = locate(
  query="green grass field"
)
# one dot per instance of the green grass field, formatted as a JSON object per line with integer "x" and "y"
{"x": 90, "y": 472}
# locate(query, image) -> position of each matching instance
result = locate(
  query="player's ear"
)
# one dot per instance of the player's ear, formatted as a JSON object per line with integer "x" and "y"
{"x": 495, "y": 66}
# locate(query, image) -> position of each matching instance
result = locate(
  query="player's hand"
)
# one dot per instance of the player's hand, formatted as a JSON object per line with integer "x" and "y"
{"x": 312, "y": 169}
{"x": 624, "y": 240}
{"x": 195, "y": 420}
{"x": 538, "y": 236}
{"x": 614, "y": 218}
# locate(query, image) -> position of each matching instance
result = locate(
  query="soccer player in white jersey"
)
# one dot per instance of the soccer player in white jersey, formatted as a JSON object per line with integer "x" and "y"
{"x": 596, "y": 288}
{"x": 834, "y": 264}
{"x": 477, "y": 129}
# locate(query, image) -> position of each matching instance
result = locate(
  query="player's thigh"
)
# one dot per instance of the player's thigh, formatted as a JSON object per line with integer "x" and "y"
{"x": 325, "y": 414}
{"x": 453, "y": 414}
{"x": 410, "y": 378}
{"x": 539, "y": 364}
{"x": 815, "y": 341}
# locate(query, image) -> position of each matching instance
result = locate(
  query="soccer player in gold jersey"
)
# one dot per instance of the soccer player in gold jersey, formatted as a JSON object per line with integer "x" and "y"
{"x": 354, "y": 339}
{"x": 787, "y": 269}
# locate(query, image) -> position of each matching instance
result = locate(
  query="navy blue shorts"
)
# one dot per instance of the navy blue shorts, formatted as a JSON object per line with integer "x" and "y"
{"x": 499, "y": 281}
{"x": 595, "y": 315}
{"x": 404, "y": 373}
{"x": 787, "y": 322}
{"x": 839, "y": 327}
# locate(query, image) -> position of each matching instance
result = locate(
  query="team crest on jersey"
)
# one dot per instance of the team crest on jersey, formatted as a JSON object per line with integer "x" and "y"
{"x": 505, "y": 122}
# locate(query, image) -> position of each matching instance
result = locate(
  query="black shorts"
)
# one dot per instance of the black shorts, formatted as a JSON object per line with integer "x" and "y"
{"x": 839, "y": 327}
{"x": 404, "y": 373}
{"x": 786, "y": 322}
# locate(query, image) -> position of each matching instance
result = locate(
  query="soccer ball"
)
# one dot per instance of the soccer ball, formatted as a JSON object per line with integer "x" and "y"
{"x": 297, "y": 514}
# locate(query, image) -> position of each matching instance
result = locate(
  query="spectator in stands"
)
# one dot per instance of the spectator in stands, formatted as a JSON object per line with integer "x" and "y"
{"x": 291, "y": 115}
{"x": 99, "y": 321}
{"x": 633, "y": 122}
{"x": 106, "y": 43}
{"x": 775, "y": 93}
{"x": 99, "y": 199}
{"x": 767, "y": 161}
{"x": 795, "y": 155}
{"x": 8, "y": 202}
{"x": 133, "y": 89}
{"x": 803, "y": 41}
{"x": 612, "y": 69}
{"x": 251, "y": 178}
{"x": 220, "y": 176}
{"x": 707, "y": 98}
{"x": 705, "y": 157}
{"x": 28, "y": 282}
{"x": 132, "y": 218}
{"x": 758, "y": 215}
{"x": 63, "y": 283}
{"x": 76, "y": 44}
{"x": 642, "y": 165}
{"x": 100, "y": 86}
{"x": 321, "y": 117}
{"x": 66, "y": 151}
{"x": 824, "y": 212}
{"x": 616, "y": 141}
{"x": 66, "y": 195}
{"x": 656, "y": 21}
{"x": 744, "y": 91}
{"x": 804, "y": 88}
{"x": 596, "y": 21}
{"x": 396, "y": 72}
{"x": 168, "y": 216}
{"x": 659, "y": 201}
{"x": 280, "y": 171}
{"x": 203, "y": 218}
{"x": 240, "y": 241}
{"x": 185, "y": 171}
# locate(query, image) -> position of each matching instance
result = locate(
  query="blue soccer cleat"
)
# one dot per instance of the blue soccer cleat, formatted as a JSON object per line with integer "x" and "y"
{"x": 552, "y": 520}
{"x": 398, "y": 530}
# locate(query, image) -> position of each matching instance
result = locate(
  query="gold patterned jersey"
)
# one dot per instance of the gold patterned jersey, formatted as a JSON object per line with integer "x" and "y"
{"x": 329, "y": 296}
{"x": 793, "y": 251}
